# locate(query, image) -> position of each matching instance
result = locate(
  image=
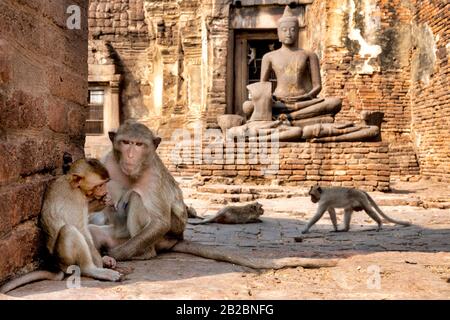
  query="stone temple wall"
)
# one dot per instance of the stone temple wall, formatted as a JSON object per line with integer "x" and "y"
{"x": 378, "y": 55}
{"x": 43, "y": 92}
{"x": 365, "y": 50}
{"x": 363, "y": 165}
{"x": 157, "y": 48}
{"x": 430, "y": 98}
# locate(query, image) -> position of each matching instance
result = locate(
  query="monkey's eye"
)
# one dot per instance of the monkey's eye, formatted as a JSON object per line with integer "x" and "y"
{"x": 139, "y": 144}
{"x": 125, "y": 142}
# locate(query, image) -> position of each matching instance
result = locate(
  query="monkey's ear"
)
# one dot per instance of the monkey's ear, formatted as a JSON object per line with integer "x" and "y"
{"x": 75, "y": 180}
{"x": 112, "y": 135}
{"x": 156, "y": 142}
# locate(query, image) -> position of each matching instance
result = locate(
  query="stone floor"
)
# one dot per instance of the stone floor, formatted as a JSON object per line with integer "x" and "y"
{"x": 395, "y": 263}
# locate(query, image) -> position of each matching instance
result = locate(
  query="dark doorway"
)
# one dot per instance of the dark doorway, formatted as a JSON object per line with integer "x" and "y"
{"x": 249, "y": 48}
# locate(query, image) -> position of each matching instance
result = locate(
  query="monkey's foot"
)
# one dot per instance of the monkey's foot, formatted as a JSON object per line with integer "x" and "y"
{"x": 304, "y": 231}
{"x": 125, "y": 270}
{"x": 103, "y": 274}
{"x": 109, "y": 262}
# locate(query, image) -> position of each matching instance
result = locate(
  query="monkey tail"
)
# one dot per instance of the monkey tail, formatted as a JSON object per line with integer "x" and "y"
{"x": 211, "y": 252}
{"x": 204, "y": 221}
{"x": 31, "y": 277}
{"x": 374, "y": 204}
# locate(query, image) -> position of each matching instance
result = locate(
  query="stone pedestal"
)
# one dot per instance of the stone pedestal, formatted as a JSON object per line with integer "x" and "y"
{"x": 362, "y": 165}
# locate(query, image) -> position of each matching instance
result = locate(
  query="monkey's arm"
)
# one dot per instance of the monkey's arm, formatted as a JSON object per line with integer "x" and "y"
{"x": 96, "y": 257}
{"x": 319, "y": 213}
{"x": 156, "y": 225}
{"x": 333, "y": 218}
{"x": 137, "y": 245}
{"x": 96, "y": 205}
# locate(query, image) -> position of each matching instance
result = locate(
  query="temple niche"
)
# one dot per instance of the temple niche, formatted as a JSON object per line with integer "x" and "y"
{"x": 289, "y": 108}
{"x": 192, "y": 64}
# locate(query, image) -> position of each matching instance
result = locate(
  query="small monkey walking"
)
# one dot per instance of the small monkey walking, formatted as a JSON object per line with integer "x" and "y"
{"x": 349, "y": 199}
{"x": 64, "y": 220}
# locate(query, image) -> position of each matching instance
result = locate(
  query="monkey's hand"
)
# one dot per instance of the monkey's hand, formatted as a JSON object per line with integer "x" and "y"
{"x": 109, "y": 262}
{"x": 96, "y": 205}
{"x": 108, "y": 200}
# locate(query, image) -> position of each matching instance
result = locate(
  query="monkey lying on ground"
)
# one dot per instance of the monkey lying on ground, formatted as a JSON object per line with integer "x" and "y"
{"x": 349, "y": 199}
{"x": 155, "y": 210}
{"x": 64, "y": 222}
{"x": 236, "y": 214}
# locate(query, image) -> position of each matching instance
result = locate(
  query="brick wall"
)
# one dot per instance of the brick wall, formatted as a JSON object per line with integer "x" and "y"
{"x": 363, "y": 165}
{"x": 365, "y": 50}
{"x": 43, "y": 91}
{"x": 378, "y": 55}
{"x": 121, "y": 24}
{"x": 430, "y": 103}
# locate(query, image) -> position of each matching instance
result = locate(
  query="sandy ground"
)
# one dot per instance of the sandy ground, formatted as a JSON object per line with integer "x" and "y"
{"x": 395, "y": 263}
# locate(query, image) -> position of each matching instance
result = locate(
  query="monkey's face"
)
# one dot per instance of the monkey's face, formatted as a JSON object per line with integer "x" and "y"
{"x": 94, "y": 187}
{"x": 314, "y": 192}
{"x": 133, "y": 155}
{"x": 259, "y": 209}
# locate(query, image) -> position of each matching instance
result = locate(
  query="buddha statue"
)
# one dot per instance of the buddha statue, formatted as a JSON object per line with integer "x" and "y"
{"x": 298, "y": 77}
{"x": 294, "y": 111}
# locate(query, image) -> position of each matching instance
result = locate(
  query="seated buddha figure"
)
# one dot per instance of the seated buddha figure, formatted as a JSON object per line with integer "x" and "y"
{"x": 298, "y": 78}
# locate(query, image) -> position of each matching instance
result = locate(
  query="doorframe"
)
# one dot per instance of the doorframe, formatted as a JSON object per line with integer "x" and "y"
{"x": 237, "y": 67}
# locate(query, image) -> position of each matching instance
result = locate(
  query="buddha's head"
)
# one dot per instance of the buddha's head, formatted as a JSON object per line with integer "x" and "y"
{"x": 288, "y": 27}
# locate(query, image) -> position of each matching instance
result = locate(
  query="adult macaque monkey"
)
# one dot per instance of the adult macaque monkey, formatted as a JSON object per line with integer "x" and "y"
{"x": 155, "y": 210}
{"x": 64, "y": 221}
{"x": 349, "y": 199}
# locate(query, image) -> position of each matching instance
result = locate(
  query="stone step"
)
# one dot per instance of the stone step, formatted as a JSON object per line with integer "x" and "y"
{"x": 223, "y": 198}
{"x": 254, "y": 190}
{"x": 225, "y": 195}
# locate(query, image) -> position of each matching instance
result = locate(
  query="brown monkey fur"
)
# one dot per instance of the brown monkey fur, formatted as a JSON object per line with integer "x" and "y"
{"x": 351, "y": 200}
{"x": 249, "y": 213}
{"x": 64, "y": 222}
{"x": 156, "y": 212}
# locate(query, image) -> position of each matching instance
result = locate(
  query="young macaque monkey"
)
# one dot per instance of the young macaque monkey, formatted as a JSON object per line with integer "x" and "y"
{"x": 64, "y": 220}
{"x": 349, "y": 199}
